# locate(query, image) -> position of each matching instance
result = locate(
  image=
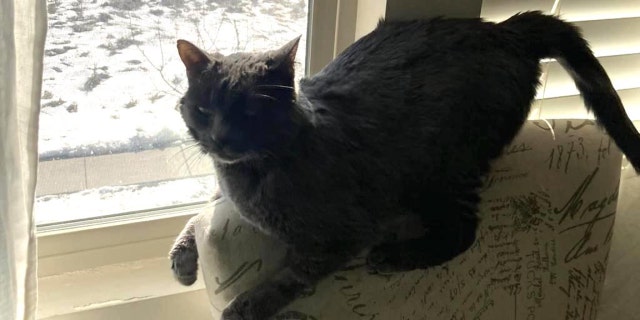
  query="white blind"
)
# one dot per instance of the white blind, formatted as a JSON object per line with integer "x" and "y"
{"x": 612, "y": 28}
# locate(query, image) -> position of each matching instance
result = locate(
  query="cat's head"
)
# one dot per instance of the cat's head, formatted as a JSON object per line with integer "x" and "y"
{"x": 241, "y": 105}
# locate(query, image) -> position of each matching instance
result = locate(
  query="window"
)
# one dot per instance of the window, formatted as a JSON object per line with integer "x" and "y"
{"x": 111, "y": 140}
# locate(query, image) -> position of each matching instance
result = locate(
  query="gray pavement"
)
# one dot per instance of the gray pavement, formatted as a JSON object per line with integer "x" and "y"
{"x": 77, "y": 174}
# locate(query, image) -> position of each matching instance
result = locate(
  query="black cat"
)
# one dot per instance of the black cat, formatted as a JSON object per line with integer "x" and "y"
{"x": 403, "y": 123}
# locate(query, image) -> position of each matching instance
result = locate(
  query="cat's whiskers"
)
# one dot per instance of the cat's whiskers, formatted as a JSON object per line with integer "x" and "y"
{"x": 190, "y": 146}
{"x": 173, "y": 156}
{"x": 197, "y": 161}
{"x": 190, "y": 160}
{"x": 264, "y": 96}
{"x": 183, "y": 166}
{"x": 275, "y": 86}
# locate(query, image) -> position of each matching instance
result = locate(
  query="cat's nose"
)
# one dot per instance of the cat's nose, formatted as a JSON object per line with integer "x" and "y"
{"x": 215, "y": 140}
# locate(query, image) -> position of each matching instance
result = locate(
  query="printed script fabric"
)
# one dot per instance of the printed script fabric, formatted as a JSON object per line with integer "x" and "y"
{"x": 22, "y": 35}
{"x": 622, "y": 283}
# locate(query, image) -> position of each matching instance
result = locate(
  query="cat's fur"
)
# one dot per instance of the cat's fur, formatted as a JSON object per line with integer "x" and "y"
{"x": 403, "y": 123}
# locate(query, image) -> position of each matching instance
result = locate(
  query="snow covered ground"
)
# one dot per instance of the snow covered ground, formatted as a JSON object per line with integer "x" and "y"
{"x": 112, "y": 200}
{"x": 112, "y": 77}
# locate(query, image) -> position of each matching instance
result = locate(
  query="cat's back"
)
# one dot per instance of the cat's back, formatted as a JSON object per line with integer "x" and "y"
{"x": 394, "y": 50}
{"x": 406, "y": 85}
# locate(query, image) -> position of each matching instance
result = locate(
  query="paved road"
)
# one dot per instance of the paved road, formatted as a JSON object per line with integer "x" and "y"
{"x": 72, "y": 175}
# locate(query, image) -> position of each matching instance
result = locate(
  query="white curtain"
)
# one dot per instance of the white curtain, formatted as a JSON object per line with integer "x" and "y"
{"x": 22, "y": 34}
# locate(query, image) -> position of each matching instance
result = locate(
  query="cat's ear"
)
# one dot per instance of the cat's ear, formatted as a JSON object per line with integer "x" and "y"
{"x": 194, "y": 59}
{"x": 284, "y": 58}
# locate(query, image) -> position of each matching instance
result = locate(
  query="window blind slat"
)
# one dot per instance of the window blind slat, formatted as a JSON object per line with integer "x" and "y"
{"x": 623, "y": 71}
{"x": 572, "y": 10}
{"x": 612, "y": 37}
{"x": 581, "y": 10}
{"x": 498, "y": 10}
{"x": 573, "y": 107}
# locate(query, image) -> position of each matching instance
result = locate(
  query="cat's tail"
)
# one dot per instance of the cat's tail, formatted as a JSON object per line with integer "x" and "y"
{"x": 549, "y": 37}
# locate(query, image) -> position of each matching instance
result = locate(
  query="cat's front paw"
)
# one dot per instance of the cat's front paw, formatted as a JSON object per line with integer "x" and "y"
{"x": 184, "y": 263}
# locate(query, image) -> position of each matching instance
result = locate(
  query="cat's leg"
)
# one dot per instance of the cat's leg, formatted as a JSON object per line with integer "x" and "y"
{"x": 437, "y": 246}
{"x": 299, "y": 276}
{"x": 450, "y": 229}
{"x": 184, "y": 254}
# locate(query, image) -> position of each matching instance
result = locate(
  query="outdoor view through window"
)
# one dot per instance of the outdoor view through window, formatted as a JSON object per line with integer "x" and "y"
{"x": 111, "y": 140}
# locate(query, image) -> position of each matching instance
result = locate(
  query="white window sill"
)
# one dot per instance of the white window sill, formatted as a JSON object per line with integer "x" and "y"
{"x": 116, "y": 268}
{"x": 141, "y": 289}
